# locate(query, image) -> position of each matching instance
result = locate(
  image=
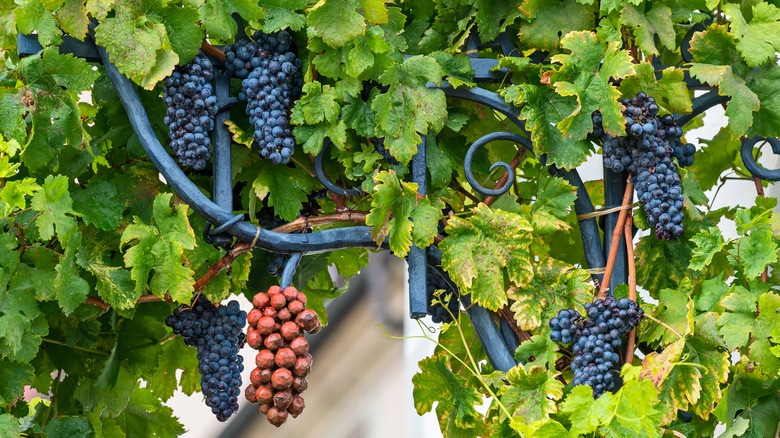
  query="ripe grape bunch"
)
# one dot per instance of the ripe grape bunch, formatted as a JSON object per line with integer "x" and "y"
{"x": 272, "y": 81}
{"x": 191, "y": 111}
{"x": 646, "y": 152}
{"x": 596, "y": 339}
{"x": 276, "y": 326}
{"x": 217, "y": 333}
{"x": 438, "y": 312}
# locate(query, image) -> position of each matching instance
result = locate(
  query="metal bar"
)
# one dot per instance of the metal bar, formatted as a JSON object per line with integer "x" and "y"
{"x": 288, "y": 271}
{"x": 701, "y": 104}
{"x": 418, "y": 290}
{"x": 27, "y": 45}
{"x": 325, "y": 181}
{"x": 223, "y": 167}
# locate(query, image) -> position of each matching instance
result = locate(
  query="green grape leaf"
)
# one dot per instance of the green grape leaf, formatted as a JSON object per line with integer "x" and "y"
{"x": 178, "y": 20}
{"x": 150, "y": 58}
{"x": 441, "y": 162}
{"x": 714, "y": 54}
{"x": 719, "y": 155}
{"x": 555, "y": 285}
{"x": 635, "y": 412}
{"x": 99, "y": 8}
{"x": 15, "y": 376}
{"x": 540, "y": 350}
{"x": 768, "y": 319}
{"x": 54, "y": 203}
{"x": 646, "y": 25}
{"x": 72, "y": 290}
{"x": 749, "y": 397}
{"x": 18, "y": 311}
{"x": 584, "y": 413}
{"x": 712, "y": 291}
{"x": 476, "y": 250}
{"x": 282, "y": 18}
{"x": 348, "y": 261}
{"x": 14, "y": 193}
{"x": 436, "y": 383}
{"x": 531, "y": 394}
{"x": 97, "y": 205}
{"x": 585, "y": 73}
{"x": 400, "y": 213}
{"x": 114, "y": 283}
{"x": 547, "y": 21}
{"x": 285, "y": 187}
{"x": 715, "y": 363}
{"x": 215, "y": 16}
{"x": 493, "y": 17}
{"x": 317, "y": 104}
{"x": 32, "y": 16}
{"x": 113, "y": 399}
{"x": 160, "y": 248}
{"x": 543, "y": 109}
{"x": 176, "y": 356}
{"x": 554, "y": 198}
{"x": 336, "y": 22}
{"x": 758, "y": 40}
{"x": 146, "y": 416}
{"x": 66, "y": 427}
{"x": 409, "y": 108}
{"x": 72, "y": 17}
{"x": 670, "y": 91}
{"x": 735, "y": 324}
{"x": 756, "y": 251}
{"x": 9, "y": 426}
{"x": 708, "y": 242}
{"x": 661, "y": 264}
{"x": 137, "y": 346}
{"x": 12, "y": 112}
{"x": 676, "y": 310}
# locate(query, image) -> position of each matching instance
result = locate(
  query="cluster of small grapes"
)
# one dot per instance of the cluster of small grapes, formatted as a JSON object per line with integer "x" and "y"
{"x": 647, "y": 151}
{"x": 596, "y": 339}
{"x": 191, "y": 111}
{"x": 217, "y": 333}
{"x": 275, "y": 329}
{"x": 439, "y": 313}
{"x": 272, "y": 81}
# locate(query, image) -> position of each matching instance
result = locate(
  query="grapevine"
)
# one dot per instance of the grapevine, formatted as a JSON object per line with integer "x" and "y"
{"x": 154, "y": 152}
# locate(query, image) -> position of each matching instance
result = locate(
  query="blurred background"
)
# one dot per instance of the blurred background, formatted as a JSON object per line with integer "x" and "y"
{"x": 360, "y": 385}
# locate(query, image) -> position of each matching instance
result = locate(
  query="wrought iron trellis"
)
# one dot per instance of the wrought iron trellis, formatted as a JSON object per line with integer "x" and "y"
{"x": 499, "y": 340}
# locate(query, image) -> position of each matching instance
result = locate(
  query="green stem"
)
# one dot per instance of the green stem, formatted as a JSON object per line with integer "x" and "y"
{"x": 76, "y": 347}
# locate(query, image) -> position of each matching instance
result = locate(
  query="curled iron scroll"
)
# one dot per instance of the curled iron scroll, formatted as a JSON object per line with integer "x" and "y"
{"x": 325, "y": 181}
{"x": 482, "y": 141}
{"x": 750, "y": 162}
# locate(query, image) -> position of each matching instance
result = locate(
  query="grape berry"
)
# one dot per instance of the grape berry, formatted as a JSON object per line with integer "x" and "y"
{"x": 217, "y": 333}
{"x": 191, "y": 111}
{"x": 276, "y": 326}
{"x": 596, "y": 339}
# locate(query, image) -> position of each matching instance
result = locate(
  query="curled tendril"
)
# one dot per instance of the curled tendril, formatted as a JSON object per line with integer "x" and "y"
{"x": 482, "y": 141}
{"x": 325, "y": 181}
{"x": 750, "y": 162}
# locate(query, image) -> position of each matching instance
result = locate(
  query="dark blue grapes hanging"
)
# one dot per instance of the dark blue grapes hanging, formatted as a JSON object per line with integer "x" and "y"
{"x": 272, "y": 81}
{"x": 218, "y": 334}
{"x": 191, "y": 111}
{"x": 597, "y": 339}
{"x": 647, "y": 151}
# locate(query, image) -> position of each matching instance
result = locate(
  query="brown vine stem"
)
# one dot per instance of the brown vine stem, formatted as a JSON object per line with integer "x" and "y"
{"x": 617, "y": 234}
{"x": 76, "y": 347}
{"x": 213, "y": 51}
{"x": 631, "y": 284}
{"x": 519, "y": 156}
{"x": 358, "y": 217}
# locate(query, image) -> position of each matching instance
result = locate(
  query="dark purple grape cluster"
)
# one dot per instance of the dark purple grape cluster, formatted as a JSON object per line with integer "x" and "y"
{"x": 191, "y": 111}
{"x": 218, "y": 335}
{"x": 272, "y": 81}
{"x": 647, "y": 152}
{"x": 596, "y": 339}
{"x": 438, "y": 312}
